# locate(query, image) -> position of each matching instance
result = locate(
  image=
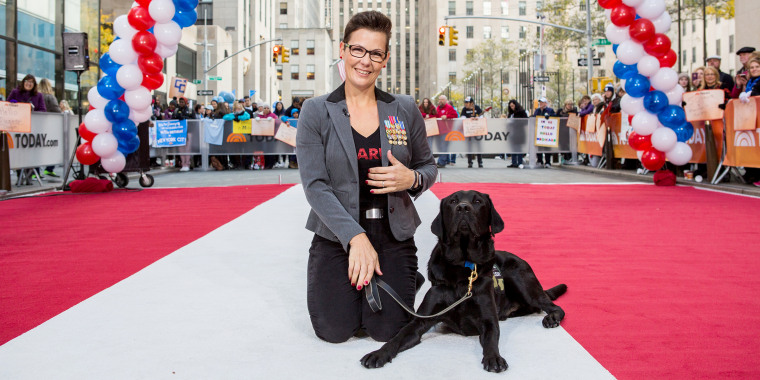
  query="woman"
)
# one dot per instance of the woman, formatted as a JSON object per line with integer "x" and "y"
{"x": 427, "y": 109}
{"x": 712, "y": 82}
{"x": 65, "y": 107}
{"x": 363, "y": 154}
{"x": 279, "y": 109}
{"x": 27, "y": 92}
{"x": 696, "y": 78}
{"x": 516, "y": 111}
{"x": 567, "y": 109}
{"x": 585, "y": 106}
{"x": 683, "y": 80}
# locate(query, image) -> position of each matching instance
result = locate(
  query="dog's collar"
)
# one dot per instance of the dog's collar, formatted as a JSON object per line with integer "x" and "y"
{"x": 470, "y": 265}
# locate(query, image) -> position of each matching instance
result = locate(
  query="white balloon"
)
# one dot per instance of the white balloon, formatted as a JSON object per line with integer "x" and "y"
{"x": 122, "y": 28}
{"x": 104, "y": 144}
{"x": 168, "y": 33}
{"x": 129, "y": 76}
{"x": 139, "y": 116}
{"x": 644, "y": 123}
{"x": 664, "y": 139}
{"x": 166, "y": 51}
{"x": 161, "y": 10}
{"x": 639, "y": 153}
{"x": 617, "y": 34}
{"x": 680, "y": 154}
{"x": 137, "y": 99}
{"x": 96, "y": 121}
{"x": 632, "y": 3}
{"x": 651, "y": 9}
{"x": 630, "y": 52}
{"x": 114, "y": 163}
{"x": 665, "y": 79}
{"x": 631, "y": 105}
{"x": 607, "y": 14}
{"x": 662, "y": 23}
{"x": 648, "y": 66}
{"x": 97, "y": 101}
{"x": 121, "y": 52}
{"x": 675, "y": 95}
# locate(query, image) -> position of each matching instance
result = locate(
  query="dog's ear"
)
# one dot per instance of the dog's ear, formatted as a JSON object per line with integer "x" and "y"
{"x": 437, "y": 226}
{"x": 497, "y": 224}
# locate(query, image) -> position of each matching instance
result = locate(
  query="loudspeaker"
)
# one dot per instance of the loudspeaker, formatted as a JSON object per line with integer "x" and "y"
{"x": 76, "y": 55}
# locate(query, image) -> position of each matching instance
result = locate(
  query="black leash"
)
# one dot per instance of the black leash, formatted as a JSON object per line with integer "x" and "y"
{"x": 372, "y": 294}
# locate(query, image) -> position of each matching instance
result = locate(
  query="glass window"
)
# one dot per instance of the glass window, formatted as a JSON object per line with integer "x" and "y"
{"x": 505, "y": 78}
{"x": 717, "y": 47}
{"x": 293, "y": 71}
{"x": 293, "y": 47}
{"x": 504, "y": 32}
{"x": 487, "y": 32}
{"x": 35, "y": 23}
{"x": 283, "y": 8}
{"x": 283, "y": 25}
{"x": 452, "y": 76}
{"x": 523, "y": 31}
{"x": 522, "y": 7}
{"x": 2, "y": 19}
{"x": 470, "y": 32}
{"x": 33, "y": 61}
{"x": 309, "y": 47}
{"x": 452, "y": 8}
{"x": 505, "y": 8}
{"x": 452, "y": 55}
{"x": 683, "y": 56}
{"x": 583, "y": 6}
{"x": 694, "y": 55}
{"x": 279, "y": 71}
{"x": 730, "y": 43}
{"x": 486, "y": 8}
{"x": 186, "y": 61}
{"x": 205, "y": 9}
{"x": 539, "y": 5}
{"x": 693, "y": 26}
{"x": 468, "y": 8}
{"x": 310, "y": 72}
{"x": 3, "y": 82}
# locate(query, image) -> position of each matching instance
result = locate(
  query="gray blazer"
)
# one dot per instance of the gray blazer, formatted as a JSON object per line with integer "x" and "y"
{"x": 329, "y": 169}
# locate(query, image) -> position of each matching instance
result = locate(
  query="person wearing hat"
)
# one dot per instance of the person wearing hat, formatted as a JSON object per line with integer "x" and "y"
{"x": 472, "y": 110}
{"x": 545, "y": 111}
{"x": 740, "y": 83}
{"x": 714, "y": 61}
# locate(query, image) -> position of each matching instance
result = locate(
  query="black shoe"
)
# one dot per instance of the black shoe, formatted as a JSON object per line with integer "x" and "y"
{"x": 512, "y": 166}
{"x": 480, "y": 165}
{"x": 469, "y": 165}
{"x": 440, "y": 166}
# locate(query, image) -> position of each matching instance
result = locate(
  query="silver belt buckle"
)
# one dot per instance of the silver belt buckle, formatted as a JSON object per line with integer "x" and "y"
{"x": 374, "y": 213}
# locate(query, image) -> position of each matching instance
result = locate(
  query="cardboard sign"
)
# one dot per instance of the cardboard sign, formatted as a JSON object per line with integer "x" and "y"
{"x": 744, "y": 114}
{"x": 547, "y": 132}
{"x": 620, "y": 130}
{"x": 574, "y": 121}
{"x": 475, "y": 126}
{"x": 703, "y": 105}
{"x": 177, "y": 87}
{"x": 16, "y": 117}
{"x": 431, "y": 127}
{"x": 242, "y": 127}
{"x": 262, "y": 127}
{"x": 170, "y": 133}
{"x": 592, "y": 122}
{"x": 286, "y": 134}
{"x": 742, "y": 146}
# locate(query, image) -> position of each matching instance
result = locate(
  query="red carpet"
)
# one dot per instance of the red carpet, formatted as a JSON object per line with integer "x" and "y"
{"x": 60, "y": 250}
{"x": 660, "y": 279}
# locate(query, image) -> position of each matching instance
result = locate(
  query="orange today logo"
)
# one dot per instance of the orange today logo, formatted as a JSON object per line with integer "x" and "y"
{"x": 455, "y": 136}
{"x": 236, "y": 138}
{"x": 10, "y": 141}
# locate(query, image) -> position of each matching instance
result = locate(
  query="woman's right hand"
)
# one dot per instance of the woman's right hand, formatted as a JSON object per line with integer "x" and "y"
{"x": 362, "y": 261}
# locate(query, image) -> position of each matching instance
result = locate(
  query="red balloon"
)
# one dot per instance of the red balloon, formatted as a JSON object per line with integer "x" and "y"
{"x": 658, "y": 46}
{"x": 653, "y": 159}
{"x": 639, "y": 142}
{"x": 669, "y": 59}
{"x": 609, "y": 4}
{"x": 641, "y": 30}
{"x": 152, "y": 81}
{"x": 144, "y": 43}
{"x": 143, "y": 3}
{"x": 150, "y": 63}
{"x": 85, "y": 133}
{"x": 85, "y": 154}
{"x": 91, "y": 108}
{"x": 140, "y": 19}
{"x": 630, "y": 119}
{"x": 623, "y": 15}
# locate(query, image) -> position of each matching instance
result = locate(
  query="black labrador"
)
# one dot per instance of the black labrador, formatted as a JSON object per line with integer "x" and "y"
{"x": 465, "y": 227}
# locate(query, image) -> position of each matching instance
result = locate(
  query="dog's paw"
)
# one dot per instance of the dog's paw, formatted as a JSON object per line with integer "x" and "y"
{"x": 376, "y": 359}
{"x": 551, "y": 321}
{"x": 494, "y": 364}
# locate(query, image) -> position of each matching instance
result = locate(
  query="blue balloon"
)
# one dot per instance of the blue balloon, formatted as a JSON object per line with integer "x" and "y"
{"x": 108, "y": 65}
{"x": 684, "y": 132}
{"x": 655, "y": 101}
{"x": 185, "y": 5}
{"x": 624, "y": 71}
{"x": 124, "y": 130}
{"x": 614, "y": 48}
{"x": 227, "y": 96}
{"x": 672, "y": 117}
{"x": 116, "y": 111}
{"x": 151, "y": 30}
{"x": 185, "y": 18}
{"x": 129, "y": 146}
{"x": 637, "y": 85}
{"x": 109, "y": 88}
{"x": 637, "y": 16}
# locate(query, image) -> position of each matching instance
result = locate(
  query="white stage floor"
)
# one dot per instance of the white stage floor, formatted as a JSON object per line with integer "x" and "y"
{"x": 233, "y": 305}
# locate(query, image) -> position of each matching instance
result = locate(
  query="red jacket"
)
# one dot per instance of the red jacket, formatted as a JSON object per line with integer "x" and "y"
{"x": 447, "y": 110}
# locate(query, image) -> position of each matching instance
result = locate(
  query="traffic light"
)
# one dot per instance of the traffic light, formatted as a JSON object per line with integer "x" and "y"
{"x": 442, "y": 36}
{"x": 285, "y": 55}
{"x": 453, "y": 36}
{"x": 275, "y": 53}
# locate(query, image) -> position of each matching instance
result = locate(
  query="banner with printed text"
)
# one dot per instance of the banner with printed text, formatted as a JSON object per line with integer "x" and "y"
{"x": 591, "y": 142}
{"x": 171, "y": 133}
{"x": 742, "y": 146}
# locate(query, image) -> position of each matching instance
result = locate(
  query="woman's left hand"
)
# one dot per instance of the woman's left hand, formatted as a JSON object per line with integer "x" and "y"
{"x": 389, "y": 179}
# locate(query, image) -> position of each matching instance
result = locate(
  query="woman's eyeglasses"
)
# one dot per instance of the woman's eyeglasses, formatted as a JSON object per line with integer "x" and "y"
{"x": 359, "y": 52}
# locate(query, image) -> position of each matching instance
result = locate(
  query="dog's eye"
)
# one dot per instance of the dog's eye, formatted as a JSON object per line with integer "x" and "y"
{"x": 477, "y": 201}
{"x": 453, "y": 201}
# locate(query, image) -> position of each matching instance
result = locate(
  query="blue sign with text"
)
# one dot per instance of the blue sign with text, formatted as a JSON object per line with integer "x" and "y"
{"x": 171, "y": 133}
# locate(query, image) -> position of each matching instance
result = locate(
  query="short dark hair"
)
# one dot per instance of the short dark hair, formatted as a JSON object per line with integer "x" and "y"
{"x": 34, "y": 80}
{"x": 370, "y": 20}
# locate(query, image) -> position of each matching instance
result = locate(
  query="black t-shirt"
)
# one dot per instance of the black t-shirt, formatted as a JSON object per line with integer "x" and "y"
{"x": 468, "y": 113}
{"x": 368, "y": 155}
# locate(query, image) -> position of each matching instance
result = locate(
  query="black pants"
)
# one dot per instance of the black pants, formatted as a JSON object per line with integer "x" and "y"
{"x": 337, "y": 309}
{"x": 471, "y": 156}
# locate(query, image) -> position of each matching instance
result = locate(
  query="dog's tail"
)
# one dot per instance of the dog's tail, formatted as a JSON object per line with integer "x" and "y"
{"x": 556, "y": 291}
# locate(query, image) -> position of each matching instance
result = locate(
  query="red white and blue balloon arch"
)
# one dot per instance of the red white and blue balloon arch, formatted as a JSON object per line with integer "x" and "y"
{"x": 653, "y": 96}
{"x": 132, "y": 68}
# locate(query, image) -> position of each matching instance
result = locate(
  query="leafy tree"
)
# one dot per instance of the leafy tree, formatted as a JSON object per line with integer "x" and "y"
{"x": 491, "y": 58}
{"x": 692, "y": 9}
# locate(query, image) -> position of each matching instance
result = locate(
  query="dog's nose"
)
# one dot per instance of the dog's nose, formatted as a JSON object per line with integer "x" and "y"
{"x": 464, "y": 206}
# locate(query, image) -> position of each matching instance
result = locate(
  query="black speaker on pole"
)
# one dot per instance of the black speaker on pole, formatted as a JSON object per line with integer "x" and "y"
{"x": 76, "y": 55}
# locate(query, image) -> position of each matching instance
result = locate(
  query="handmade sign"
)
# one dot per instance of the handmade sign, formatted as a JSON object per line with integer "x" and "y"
{"x": 262, "y": 127}
{"x": 703, "y": 105}
{"x": 476, "y": 126}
